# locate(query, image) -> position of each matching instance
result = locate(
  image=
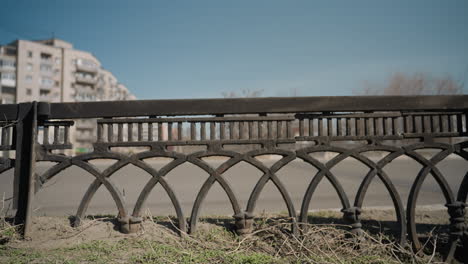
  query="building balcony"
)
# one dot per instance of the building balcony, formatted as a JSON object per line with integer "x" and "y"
{"x": 47, "y": 73}
{"x": 86, "y": 68}
{"x": 7, "y": 67}
{"x": 8, "y": 82}
{"x": 86, "y": 80}
{"x": 46, "y": 85}
{"x": 10, "y": 51}
{"x": 47, "y": 61}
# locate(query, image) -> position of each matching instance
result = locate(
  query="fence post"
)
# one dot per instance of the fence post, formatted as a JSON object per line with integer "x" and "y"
{"x": 24, "y": 181}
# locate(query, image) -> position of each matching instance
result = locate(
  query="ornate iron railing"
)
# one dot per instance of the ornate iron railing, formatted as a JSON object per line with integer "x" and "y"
{"x": 398, "y": 125}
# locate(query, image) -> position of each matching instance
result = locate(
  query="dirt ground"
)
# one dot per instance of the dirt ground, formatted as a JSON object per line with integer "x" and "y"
{"x": 98, "y": 241}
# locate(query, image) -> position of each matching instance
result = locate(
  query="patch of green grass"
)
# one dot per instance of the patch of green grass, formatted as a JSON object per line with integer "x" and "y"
{"x": 18, "y": 256}
{"x": 148, "y": 252}
{"x": 164, "y": 253}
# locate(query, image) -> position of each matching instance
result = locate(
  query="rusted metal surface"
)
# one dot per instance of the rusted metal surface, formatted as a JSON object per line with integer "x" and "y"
{"x": 400, "y": 126}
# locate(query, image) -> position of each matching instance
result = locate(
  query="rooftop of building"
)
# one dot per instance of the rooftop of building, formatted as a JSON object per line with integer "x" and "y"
{"x": 56, "y": 43}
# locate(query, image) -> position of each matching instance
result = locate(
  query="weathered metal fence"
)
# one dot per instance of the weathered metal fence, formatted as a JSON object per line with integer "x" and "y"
{"x": 397, "y": 125}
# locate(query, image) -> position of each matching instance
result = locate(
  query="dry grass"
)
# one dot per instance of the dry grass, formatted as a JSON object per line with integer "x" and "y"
{"x": 97, "y": 241}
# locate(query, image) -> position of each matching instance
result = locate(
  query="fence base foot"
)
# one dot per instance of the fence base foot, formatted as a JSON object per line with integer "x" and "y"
{"x": 129, "y": 224}
{"x": 244, "y": 223}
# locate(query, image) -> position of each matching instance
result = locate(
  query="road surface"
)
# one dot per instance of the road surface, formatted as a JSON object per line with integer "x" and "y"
{"x": 61, "y": 196}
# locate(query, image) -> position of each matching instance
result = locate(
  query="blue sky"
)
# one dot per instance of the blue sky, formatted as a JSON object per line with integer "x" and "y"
{"x": 199, "y": 49}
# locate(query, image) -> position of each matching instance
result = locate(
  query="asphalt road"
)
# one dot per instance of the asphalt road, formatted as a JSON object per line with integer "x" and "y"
{"x": 61, "y": 196}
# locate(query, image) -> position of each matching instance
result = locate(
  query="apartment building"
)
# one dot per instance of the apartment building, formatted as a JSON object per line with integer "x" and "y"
{"x": 52, "y": 70}
{"x": 7, "y": 74}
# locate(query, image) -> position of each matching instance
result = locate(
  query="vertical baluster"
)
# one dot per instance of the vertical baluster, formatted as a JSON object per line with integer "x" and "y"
{"x": 330, "y": 126}
{"x": 241, "y": 129}
{"x": 213, "y": 130}
{"x": 411, "y": 124}
{"x": 231, "y": 129}
{"x": 418, "y": 122}
{"x": 179, "y": 131}
{"x": 444, "y": 123}
{"x": 426, "y": 124}
{"x": 450, "y": 121}
{"x": 130, "y": 132}
{"x": 169, "y": 131}
{"x": 392, "y": 128}
{"x": 56, "y": 135}
{"x": 459, "y": 120}
{"x": 466, "y": 122}
{"x": 222, "y": 130}
{"x": 414, "y": 124}
{"x": 406, "y": 124}
{"x": 301, "y": 127}
{"x": 150, "y": 131}
{"x": 378, "y": 126}
{"x": 278, "y": 129}
{"x": 251, "y": 129}
{"x": 140, "y": 131}
{"x": 270, "y": 129}
{"x": 160, "y": 131}
{"x": 320, "y": 127}
{"x": 202, "y": 131}
{"x": 367, "y": 131}
{"x": 339, "y": 128}
{"x": 260, "y": 129}
{"x": 193, "y": 131}
{"x": 373, "y": 126}
{"x": 120, "y": 132}
{"x": 385, "y": 126}
{"x": 311, "y": 127}
{"x": 348, "y": 127}
{"x": 110, "y": 132}
{"x": 289, "y": 129}
{"x": 66, "y": 139}
{"x": 46, "y": 135}
{"x": 396, "y": 125}
{"x": 362, "y": 125}
{"x": 5, "y": 136}
{"x": 359, "y": 122}
{"x": 100, "y": 128}
{"x": 435, "y": 123}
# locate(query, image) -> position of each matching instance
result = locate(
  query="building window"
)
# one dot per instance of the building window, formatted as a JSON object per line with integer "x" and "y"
{"x": 28, "y": 91}
{"x": 47, "y": 82}
{"x": 8, "y": 63}
{"x": 28, "y": 78}
{"x": 57, "y": 83}
{"x": 29, "y": 67}
{"x": 57, "y": 61}
{"x": 46, "y": 56}
{"x": 46, "y": 68}
{"x": 8, "y": 76}
{"x": 30, "y": 54}
{"x": 43, "y": 93}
